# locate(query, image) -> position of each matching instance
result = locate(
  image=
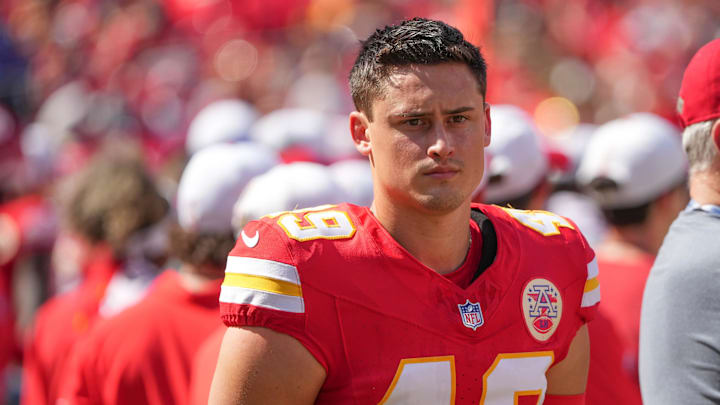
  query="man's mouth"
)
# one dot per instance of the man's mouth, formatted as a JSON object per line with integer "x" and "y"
{"x": 442, "y": 172}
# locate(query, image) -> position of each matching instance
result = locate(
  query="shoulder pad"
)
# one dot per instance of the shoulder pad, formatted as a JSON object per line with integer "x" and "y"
{"x": 543, "y": 222}
{"x": 323, "y": 222}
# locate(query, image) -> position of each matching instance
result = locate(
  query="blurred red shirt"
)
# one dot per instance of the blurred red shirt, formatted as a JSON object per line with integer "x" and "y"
{"x": 143, "y": 355}
{"x": 59, "y": 323}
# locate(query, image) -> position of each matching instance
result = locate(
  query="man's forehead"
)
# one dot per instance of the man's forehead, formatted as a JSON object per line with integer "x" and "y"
{"x": 407, "y": 90}
{"x": 449, "y": 71}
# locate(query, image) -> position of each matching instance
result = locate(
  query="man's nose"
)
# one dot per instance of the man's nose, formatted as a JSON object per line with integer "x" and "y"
{"x": 442, "y": 146}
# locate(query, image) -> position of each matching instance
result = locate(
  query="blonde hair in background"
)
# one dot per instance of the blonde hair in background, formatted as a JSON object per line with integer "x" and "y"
{"x": 113, "y": 197}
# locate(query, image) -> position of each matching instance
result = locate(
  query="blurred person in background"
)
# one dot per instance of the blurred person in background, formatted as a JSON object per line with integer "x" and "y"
{"x": 387, "y": 303}
{"x": 221, "y": 121}
{"x": 297, "y": 134}
{"x": 355, "y": 178}
{"x": 143, "y": 355}
{"x": 114, "y": 209}
{"x": 567, "y": 198}
{"x": 28, "y": 224}
{"x": 283, "y": 188}
{"x": 679, "y": 329}
{"x": 635, "y": 169}
{"x": 518, "y": 168}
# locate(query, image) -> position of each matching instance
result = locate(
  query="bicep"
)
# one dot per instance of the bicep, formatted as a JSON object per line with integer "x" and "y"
{"x": 569, "y": 377}
{"x": 258, "y": 365}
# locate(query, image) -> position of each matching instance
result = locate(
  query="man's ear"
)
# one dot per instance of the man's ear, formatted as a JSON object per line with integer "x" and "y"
{"x": 488, "y": 125}
{"x": 359, "y": 124}
{"x": 715, "y": 132}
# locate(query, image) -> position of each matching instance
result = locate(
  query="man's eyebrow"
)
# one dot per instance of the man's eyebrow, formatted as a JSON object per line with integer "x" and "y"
{"x": 458, "y": 110}
{"x": 420, "y": 113}
{"x": 411, "y": 114}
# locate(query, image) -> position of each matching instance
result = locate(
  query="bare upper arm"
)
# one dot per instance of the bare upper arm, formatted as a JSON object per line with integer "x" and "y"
{"x": 260, "y": 366}
{"x": 569, "y": 377}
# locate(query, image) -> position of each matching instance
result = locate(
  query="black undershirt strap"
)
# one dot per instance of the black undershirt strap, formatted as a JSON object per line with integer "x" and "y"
{"x": 489, "y": 241}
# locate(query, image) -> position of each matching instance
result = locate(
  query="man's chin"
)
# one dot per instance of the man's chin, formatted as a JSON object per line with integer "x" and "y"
{"x": 441, "y": 202}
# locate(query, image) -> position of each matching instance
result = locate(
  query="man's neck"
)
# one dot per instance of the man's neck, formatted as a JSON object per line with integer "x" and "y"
{"x": 438, "y": 240}
{"x": 630, "y": 242}
{"x": 705, "y": 187}
{"x": 196, "y": 279}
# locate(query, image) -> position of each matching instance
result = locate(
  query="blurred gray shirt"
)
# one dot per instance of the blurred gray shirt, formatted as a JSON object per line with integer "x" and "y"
{"x": 680, "y": 323}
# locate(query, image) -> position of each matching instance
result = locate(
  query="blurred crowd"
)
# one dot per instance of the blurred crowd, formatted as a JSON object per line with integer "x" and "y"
{"x": 104, "y": 102}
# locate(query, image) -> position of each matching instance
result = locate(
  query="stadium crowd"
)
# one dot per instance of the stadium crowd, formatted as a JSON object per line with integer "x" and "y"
{"x": 137, "y": 137}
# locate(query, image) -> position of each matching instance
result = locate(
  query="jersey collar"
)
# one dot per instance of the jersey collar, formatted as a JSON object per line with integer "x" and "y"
{"x": 709, "y": 208}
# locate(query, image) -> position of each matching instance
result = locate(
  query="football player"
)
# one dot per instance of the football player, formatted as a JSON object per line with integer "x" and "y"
{"x": 424, "y": 297}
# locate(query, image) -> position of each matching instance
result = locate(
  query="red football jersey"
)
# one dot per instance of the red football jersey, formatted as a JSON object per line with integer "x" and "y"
{"x": 608, "y": 382}
{"x": 60, "y": 323}
{"x": 388, "y": 329}
{"x": 143, "y": 354}
{"x": 624, "y": 283}
{"x": 203, "y": 367}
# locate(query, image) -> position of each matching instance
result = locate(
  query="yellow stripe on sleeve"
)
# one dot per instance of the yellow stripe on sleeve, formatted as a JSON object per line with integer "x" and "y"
{"x": 591, "y": 284}
{"x": 262, "y": 283}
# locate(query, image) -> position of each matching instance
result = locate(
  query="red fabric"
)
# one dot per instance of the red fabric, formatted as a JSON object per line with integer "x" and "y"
{"x": 699, "y": 98}
{"x": 368, "y": 304}
{"x": 204, "y": 367}
{"x": 59, "y": 323}
{"x": 143, "y": 355}
{"x": 13, "y": 221}
{"x": 26, "y": 225}
{"x": 623, "y": 284}
{"x": 11, "y": 232}
{"x": 614, "y": 336}
{"x": 608, "y": 382}
{"x": 564, "y": 400}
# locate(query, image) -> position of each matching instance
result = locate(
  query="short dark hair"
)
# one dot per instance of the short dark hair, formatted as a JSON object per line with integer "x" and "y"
{"x": 199, "y": 249}
{"x": 625, "y": 216}
{"x": 412, "y": 42}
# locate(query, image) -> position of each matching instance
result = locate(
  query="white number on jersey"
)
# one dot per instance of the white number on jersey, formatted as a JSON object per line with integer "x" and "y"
{"x": 424, "y": 380}
{"x": 513, "y": 375}
{"x": 543, "y": 222}
{"x": 331, "y": 224}
{"x": 431, "y": 380}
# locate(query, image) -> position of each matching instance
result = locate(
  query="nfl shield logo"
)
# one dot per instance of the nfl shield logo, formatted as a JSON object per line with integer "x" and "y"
{"x": 471, "y": 314}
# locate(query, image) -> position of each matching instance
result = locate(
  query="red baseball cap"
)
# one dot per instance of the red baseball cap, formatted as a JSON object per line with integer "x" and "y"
{"x": 699, "y": 98}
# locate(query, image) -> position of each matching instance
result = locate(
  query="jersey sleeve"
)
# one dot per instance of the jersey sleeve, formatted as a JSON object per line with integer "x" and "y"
{"x": 574, "y": 246}
{"x": 262, "y": 285}
{"x": 591, "y": 290}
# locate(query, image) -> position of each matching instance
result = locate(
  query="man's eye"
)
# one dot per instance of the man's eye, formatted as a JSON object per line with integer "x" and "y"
{"x": 414, "y": 122}
{"x": 458, "y": 119}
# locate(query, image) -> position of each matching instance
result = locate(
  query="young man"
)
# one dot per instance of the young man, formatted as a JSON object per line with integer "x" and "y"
{"x": 679, "y": 330}
{"x": 411, "y": 300}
